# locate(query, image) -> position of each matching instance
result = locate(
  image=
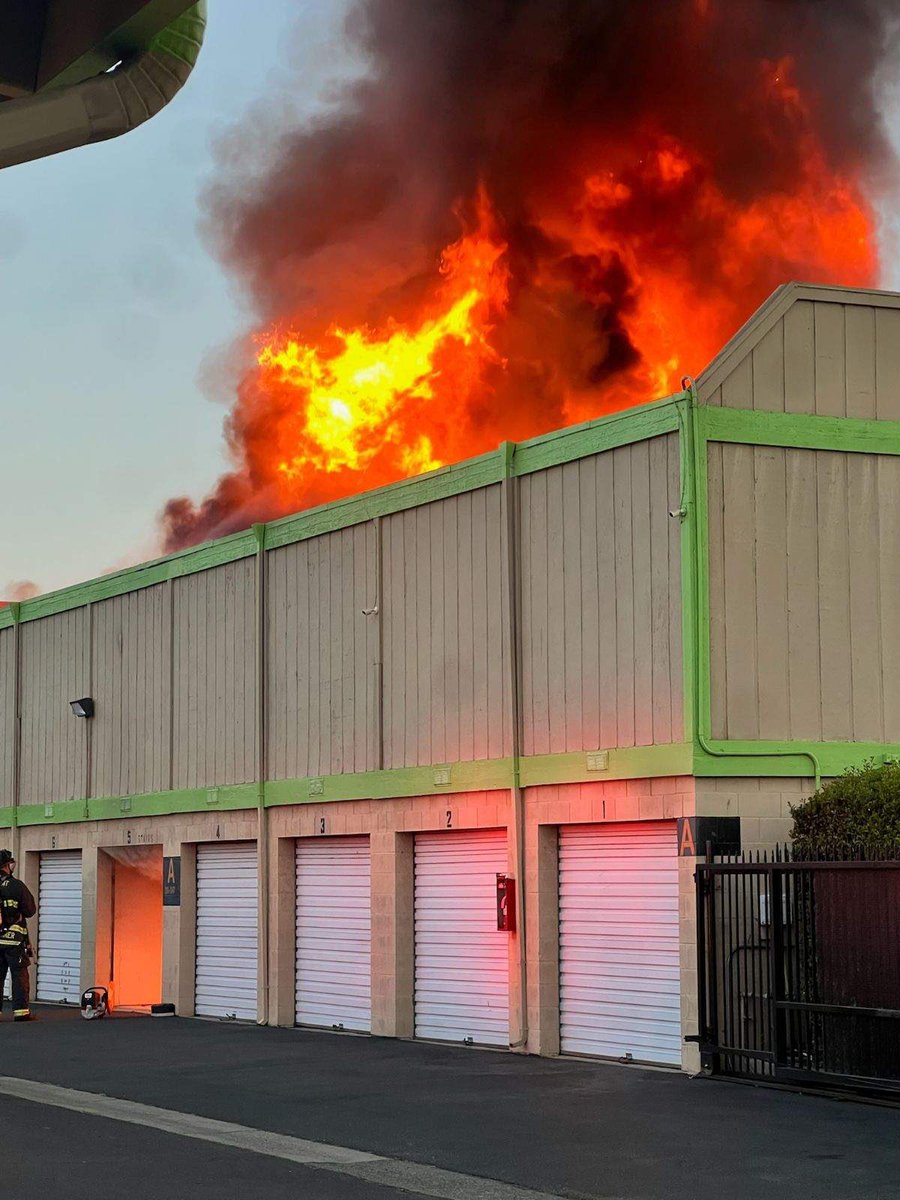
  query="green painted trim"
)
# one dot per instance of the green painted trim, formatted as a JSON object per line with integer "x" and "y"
{"x": 133, "y": 579}
{"x": 155, "y": 804}
{"x": 595, "y": 437}
{"x": 397, "y": 783}
{"x": 689, "y": 525}
{"x": 633, "y": 762}
{"x": 736, "y": 758}
{"x": 552, "y": 449}
{"x": 10, "y": 615}
{"x": 63, "y": 812}
{"x": 797, "y": 430}
{"x": 397, "y": 497}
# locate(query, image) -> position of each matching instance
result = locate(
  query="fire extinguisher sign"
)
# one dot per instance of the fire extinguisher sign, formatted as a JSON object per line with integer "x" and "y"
{"x": 506, "y": 903}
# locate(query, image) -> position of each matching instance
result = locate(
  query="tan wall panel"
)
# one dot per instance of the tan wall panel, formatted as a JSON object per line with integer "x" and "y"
{"x": 322, "y": 655}
{"x": 214, "y": 672}
{"x": 822, "y": 357}
{"x": 601, "y": 605}
{"x": 55, "y": 669}
{"x": 131, "y": 669}
{"x": 444, "y": 619}
{"x": 7, "y": 714}
{"x": 804, "y": 562}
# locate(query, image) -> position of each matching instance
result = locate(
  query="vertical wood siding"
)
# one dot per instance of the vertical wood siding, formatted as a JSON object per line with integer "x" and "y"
{"x": 601, "y": 601}
{"x": 131, "y": 669}
{"x": 322, "y": 655}
{"x": 7, "y": 714}
{"x": 831, "y": 359}
{"x": 445, "y": 612}
{"x": 804, "y": 579}
{"x": 214, "y": 669}
{"x": 55, "y": 669}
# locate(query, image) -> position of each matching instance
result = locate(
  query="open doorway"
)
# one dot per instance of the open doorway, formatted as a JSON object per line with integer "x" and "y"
{"x": 129, "y": 933}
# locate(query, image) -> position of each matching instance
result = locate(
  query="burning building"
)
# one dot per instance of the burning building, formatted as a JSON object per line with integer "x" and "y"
{"x": 569, "y": 663}
{"x": 485, "y": 646}
{"x": 525, "y": 214}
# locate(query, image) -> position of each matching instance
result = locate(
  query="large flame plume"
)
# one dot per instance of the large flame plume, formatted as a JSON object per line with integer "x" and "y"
{"x": 529, "y": 213}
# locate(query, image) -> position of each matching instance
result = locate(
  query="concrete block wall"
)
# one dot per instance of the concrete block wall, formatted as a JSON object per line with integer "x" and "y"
{"x": 762, "y": 804}
{"x": 391, "y": 826}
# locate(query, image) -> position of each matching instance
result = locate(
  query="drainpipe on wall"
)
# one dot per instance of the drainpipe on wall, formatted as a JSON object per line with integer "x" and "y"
{"x": 106, "y": 105}
{"x": 17, "y": 727}
{"x": 509, "y": 496}
{"x": 702, "y": 717}
{"x": 262, "y": 823}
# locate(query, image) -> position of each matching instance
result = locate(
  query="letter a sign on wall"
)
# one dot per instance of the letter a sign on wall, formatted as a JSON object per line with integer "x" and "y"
{"x": 172, "y": 881}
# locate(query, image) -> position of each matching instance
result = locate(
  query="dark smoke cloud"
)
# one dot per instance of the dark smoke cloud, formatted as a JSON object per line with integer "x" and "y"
{"x": 526, "y": 98}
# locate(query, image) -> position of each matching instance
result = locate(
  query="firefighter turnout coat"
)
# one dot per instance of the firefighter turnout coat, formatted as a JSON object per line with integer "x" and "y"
{"x": 16, "y": 906}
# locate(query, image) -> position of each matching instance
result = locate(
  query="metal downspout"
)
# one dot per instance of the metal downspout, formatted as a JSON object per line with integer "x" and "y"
{"x": 262, "y": 822}
{"x": 510, "y": 495}
{"x": 701, "y": 713}
{"x": 107, "y": 105}
{"x": 17, "y": 727}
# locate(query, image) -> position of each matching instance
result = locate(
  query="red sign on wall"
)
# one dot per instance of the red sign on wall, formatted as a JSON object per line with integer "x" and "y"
{"x": 506, "y": 903}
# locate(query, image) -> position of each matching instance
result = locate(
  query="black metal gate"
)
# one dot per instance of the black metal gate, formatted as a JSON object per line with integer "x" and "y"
{"x": 799, "y": 965}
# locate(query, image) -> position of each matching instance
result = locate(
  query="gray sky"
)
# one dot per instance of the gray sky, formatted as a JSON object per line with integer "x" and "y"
{"x": 111, "y": 304}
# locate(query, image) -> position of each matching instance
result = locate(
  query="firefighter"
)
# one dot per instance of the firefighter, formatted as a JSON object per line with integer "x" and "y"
{"x": 16, "y": 905}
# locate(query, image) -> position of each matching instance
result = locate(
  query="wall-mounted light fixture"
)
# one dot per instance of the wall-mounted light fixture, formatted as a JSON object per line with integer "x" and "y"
{"x": 83, "y": 707}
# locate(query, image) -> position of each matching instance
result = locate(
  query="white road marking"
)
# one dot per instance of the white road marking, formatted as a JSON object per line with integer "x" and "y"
{"x": 375, "y": 1168}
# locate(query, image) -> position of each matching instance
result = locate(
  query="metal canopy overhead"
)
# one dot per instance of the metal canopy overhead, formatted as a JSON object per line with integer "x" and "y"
{"x": 52, "y": 43}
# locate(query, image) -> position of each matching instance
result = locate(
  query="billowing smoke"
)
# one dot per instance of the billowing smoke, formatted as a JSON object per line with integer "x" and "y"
{"x": 620, "y": 184}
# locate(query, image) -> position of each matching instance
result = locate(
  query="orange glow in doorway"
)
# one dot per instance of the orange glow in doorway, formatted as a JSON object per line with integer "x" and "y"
{"x": 137, "y": 926}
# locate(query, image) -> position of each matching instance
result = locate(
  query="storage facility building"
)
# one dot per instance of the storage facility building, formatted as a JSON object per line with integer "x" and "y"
{"x": 571, "y": 664}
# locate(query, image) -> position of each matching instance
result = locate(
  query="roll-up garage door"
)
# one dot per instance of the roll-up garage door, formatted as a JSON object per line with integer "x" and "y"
{"x": 227, "y": 922}
{"x": 462, "y": 960}
{"x": 59, "y": 929}
{"x": 618, "y": 941}
{"x": 334, "y": 918}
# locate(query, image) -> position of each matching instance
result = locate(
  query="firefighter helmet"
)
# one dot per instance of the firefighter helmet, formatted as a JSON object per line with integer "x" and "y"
{"x": 94, "y": 1003}
{"x": 6, "y": 856}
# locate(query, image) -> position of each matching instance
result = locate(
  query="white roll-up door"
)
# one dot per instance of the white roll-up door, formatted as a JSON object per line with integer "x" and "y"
{"x": 618, "y": 941}
{"x": 59, "y": 928}
{"x": 225, "y": 984}
{"x": 334, "y": 920}
{"x": 462, "y": 960}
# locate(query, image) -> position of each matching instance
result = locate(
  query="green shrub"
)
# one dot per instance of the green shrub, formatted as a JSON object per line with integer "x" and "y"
{"x": 860, "y": 808}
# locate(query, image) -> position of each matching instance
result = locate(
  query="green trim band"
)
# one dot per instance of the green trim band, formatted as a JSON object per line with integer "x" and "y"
{"x": 799, "y": 431}
{"x": 632, "y": 762}
{"x": 786, "y": 759}
{"x": 640, "y": 762}
{"x": 552, "y": 449}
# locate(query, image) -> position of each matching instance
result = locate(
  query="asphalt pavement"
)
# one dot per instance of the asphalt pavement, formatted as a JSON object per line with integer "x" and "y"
{"x": 557, "y": 1127}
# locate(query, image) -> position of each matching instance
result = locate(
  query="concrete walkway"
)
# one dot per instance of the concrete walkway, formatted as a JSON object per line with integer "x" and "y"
{"x": 560, "y": 1127}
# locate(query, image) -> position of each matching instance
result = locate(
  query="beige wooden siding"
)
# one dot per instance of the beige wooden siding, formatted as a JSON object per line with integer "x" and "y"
{"x": 131, "y": 668}
{"x": 7, "y": 714}
{"x": 601, "y": 604}
{"x": 822, "y": 357}
{"x": 55, "y": 669}
{"x": 322, "y": 656}
{"x": 444, "y": 621}
{"x": 214, "y": 669}
{"x": 804, "y": 580}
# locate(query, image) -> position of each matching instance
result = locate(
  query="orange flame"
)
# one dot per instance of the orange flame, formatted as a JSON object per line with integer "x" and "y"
{"x": 359, "y": 392}
{"x": 621, "y": 272}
